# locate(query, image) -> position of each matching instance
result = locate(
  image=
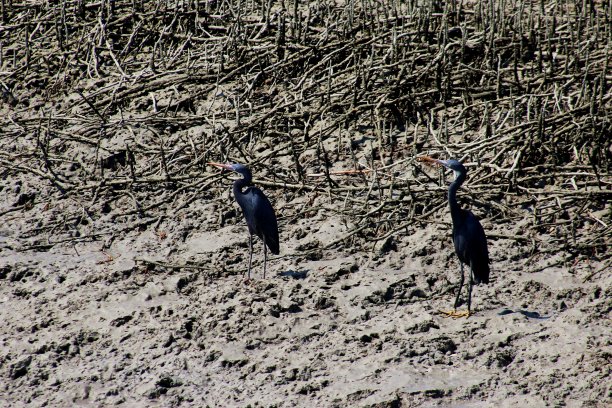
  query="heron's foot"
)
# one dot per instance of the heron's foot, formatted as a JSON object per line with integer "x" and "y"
{"x": 456, "y": 314}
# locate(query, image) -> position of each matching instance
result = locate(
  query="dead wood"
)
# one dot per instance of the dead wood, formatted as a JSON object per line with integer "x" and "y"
{"x": 522, "y": 98}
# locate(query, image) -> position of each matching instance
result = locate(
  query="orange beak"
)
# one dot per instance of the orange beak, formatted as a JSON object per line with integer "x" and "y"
{"x": 221, "y": 165}
{"x": 429, "y": 160}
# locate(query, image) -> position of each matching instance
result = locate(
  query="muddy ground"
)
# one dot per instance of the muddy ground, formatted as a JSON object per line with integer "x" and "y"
{"x": 122, "y": 254}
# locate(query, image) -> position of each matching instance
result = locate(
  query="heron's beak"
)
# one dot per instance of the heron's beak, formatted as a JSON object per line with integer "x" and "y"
{"x": 221, "y": 166}
{"x": 430, "y": 160}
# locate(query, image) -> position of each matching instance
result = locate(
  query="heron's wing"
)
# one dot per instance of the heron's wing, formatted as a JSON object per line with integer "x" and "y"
{"x": 478, "y": 249}
{"x": 264, "y": 219}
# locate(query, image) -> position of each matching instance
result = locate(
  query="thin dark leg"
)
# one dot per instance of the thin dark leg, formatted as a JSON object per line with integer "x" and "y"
{"x": 460, "y": 286}
{"x": 265, "y": 257}
{"x": 470, "y": 289}
{"x": 250, "y": 254}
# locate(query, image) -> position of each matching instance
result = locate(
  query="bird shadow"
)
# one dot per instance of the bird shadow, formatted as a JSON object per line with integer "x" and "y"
{"x": 526, "y": 313}
{"x": 303, "y": 274}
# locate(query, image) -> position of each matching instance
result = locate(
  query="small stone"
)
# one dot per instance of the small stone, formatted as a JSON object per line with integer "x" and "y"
{"x": 4, "y": 271}
{"x": 168, "y": 341}
{"x": 20, "y": 368}
{"x": 445, "y": 344}
{"x": 25, "y": 198}
{"x": 166, "y": 381}
{"x": 120, "y": 321}
{"x": 291, "y": 375}
{"x": 504, "y": 358}
{"x": 417, "y": 293}
{"x": 386, "y": 245}
{"x": 323, "y": 302}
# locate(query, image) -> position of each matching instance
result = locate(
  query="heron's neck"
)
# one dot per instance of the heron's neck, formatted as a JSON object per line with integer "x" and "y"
{"x": 452, "y": 197}
{"x": 239, "y": 185}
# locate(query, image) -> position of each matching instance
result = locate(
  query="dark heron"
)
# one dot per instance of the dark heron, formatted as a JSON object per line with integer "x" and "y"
{"x": 257, "y": 210}
{"x": 468, "y": 236}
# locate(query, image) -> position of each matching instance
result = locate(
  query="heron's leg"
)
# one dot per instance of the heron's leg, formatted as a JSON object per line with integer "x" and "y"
{"x": 460, "y": 286}
{"x": 250, "y": 255}
{"x": 265, "y": 257}
{"x": 465, "y": 313}
{"x": 454, "y": 313}
{"x": 470, "y": 290}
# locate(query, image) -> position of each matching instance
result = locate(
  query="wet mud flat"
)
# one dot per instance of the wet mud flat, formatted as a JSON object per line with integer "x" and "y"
{"x": 122, "y": 253}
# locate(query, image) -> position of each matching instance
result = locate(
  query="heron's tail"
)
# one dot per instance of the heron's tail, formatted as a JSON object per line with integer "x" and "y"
{"x": 481, "y": 273}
